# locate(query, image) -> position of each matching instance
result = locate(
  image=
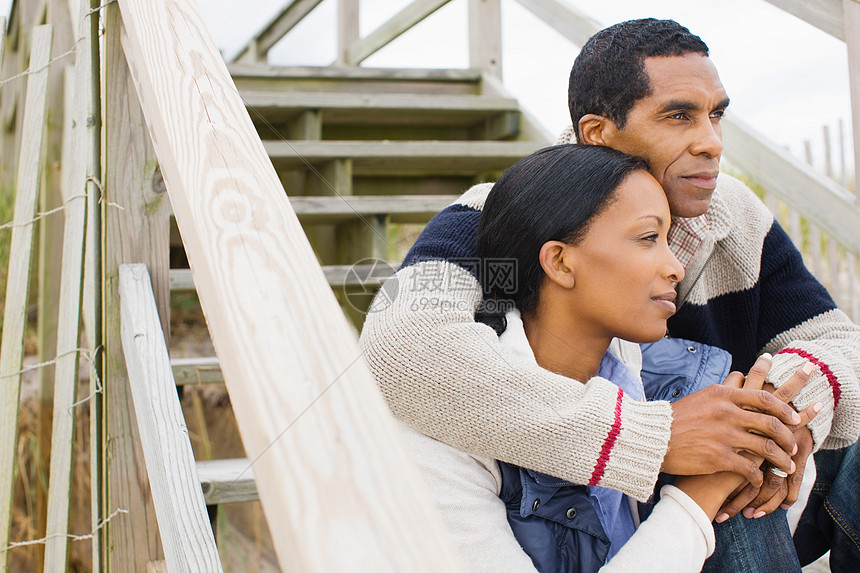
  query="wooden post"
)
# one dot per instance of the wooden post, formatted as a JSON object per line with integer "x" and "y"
{"x": 485, "y": 36}
{"x": 828, "y": 152}
{"x": 322, "y": 441}
{"x": 843, "y": 168}
{"x": 15, "y": 310}
{"x": 137, "y": 230}
{"x": 851, "y": 9}
{"x": 347, "y": 27}
{"x": 50, "y": 248}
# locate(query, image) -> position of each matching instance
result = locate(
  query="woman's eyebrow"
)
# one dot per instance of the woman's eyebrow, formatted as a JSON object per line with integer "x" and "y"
{"x": 658, "y": 218}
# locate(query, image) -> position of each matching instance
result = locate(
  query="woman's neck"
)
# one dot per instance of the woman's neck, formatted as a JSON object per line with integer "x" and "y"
{"x": 562, "y": 346}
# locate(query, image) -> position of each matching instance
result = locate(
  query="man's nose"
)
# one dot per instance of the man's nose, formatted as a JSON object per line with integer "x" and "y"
{"x": 709, "y": 139}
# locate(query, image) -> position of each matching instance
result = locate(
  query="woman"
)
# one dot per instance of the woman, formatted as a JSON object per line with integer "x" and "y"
{"x": 585, "y": 228}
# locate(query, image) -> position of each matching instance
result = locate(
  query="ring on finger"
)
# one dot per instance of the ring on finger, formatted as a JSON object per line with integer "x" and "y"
{"x": 777, "y": 472}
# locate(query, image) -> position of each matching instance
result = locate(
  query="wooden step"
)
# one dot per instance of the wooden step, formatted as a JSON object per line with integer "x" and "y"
{"x": 196, "y": 371}
{"x": 355, "y": 79}
{"x": 375, "y": 110}
{"x": 337, "y": 275}
{"x": 402, "y": 157}
{"x": 227, "y": 481}
{"x": 398, "y": 208}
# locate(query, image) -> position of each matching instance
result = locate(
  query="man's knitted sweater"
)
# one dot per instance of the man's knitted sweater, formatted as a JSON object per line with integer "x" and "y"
{"x": 745, "y": 290}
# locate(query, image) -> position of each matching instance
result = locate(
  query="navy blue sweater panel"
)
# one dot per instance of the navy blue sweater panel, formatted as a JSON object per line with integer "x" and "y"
{"x": 743, "y": 322}
{"x": 449, "y": 236}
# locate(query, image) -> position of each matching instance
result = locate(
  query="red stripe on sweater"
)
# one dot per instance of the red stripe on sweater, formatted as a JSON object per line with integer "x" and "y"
{"x": 825, "y": 369}
{"x": 597, "y": 474}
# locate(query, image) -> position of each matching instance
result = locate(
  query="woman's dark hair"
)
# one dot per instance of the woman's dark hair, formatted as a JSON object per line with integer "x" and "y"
{"x": 608, "y": 76}
{"x": 551, "y": 195}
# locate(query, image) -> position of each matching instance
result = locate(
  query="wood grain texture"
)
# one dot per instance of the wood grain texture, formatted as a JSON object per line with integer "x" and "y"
{"x": 15, "y": 309}
{"x": 136, "y": 231}
{"x": 401, "y": 22}
{"x": 333, "y": 476}
{"x": 189, "y": 544}
{"x": 347, "y": 27}
{"x": 817, "y": 198}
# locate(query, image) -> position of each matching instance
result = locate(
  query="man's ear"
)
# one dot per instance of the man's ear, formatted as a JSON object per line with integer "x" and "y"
{"x": 595, "y": 129}
{"x": 557, "y": 262}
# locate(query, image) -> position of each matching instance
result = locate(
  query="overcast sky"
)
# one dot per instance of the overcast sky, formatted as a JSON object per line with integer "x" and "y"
{"x": 784, "y": 76}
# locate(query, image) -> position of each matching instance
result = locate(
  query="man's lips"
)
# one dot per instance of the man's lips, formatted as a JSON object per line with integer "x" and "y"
{"x": 666, "y": 300}
{"x": 705, "y": 179}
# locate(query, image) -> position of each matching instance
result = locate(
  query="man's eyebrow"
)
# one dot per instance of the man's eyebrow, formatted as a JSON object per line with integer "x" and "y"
{"x": 686, "y": 105}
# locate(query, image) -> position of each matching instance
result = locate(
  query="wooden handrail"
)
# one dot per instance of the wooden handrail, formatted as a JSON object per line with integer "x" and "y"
{"x": 287, "y": 19}
{"x": 332, "y": 474}
{"x": 826, "y": 15}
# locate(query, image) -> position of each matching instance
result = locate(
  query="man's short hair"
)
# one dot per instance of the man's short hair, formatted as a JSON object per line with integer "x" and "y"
{"x": 608, "y": 76}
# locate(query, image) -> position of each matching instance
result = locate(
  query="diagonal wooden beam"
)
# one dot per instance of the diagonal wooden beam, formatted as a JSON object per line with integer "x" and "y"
{"x": 322, "y": 441}
{"x": 826, "y": 15}
{"x": 393, "y": 28}
{"x": 259, "y": 46}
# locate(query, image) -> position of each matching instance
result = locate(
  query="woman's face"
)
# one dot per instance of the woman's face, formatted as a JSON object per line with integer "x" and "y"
{"x": 624, "y": 272}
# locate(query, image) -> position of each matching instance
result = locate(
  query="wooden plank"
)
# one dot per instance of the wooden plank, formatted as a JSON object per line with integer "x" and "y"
{"x": 50, "y": 254}
{"x": 408, "y": 17}
{"x": 15, "y": 309}
{"x": 852, "y": 32}
{"x": 336, "y": 275}
{"x": 822, "y": 202}
{"x": 227, "y": 481}
{"x": 137, "y": 231}
{"x": 401, "y": 209}
{"x": 242, "y": 71}
{"x": 293, "y": 13}
{"x": 570, "y": 22}
{"x": 189, "y": 544}
{"x": 826, "y": 15}
{"x": 270, "y": 311}
{"x": 485, "y": 36}
{"x": 347, "y": 27}
{"x": 403, "y": 157}
{"x": 833, "y": 272}
{"x": 66, "y": 385}
{"x": 853, "y": 309}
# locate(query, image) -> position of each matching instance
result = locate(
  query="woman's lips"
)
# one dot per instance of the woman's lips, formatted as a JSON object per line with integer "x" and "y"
{"x": 667, "y": 301}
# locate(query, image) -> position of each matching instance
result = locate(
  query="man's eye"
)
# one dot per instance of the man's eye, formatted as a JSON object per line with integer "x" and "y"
{"x": 679, "y": 115}
{"x": 718, "y": 114}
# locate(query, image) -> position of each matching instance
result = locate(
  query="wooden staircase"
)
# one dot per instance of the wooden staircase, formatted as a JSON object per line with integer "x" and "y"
{"x": 360, "y": 152}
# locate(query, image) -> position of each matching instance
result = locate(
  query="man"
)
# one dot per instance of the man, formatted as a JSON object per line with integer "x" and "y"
{"x": 648, "y": 88}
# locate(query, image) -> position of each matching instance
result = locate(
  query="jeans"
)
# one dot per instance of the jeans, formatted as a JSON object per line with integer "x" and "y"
{"x": 831, "y": 521}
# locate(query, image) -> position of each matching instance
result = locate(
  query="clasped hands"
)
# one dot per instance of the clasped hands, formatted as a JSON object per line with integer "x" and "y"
{"x": 735, "y": 426}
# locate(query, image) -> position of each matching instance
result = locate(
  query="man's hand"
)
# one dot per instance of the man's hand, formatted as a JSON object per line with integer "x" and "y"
{"x": 711, "y": 427}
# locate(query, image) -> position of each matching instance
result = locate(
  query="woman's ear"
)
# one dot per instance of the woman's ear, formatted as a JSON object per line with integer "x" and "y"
{"x": 557, "y": 262}
{"x": 595, "y": 129}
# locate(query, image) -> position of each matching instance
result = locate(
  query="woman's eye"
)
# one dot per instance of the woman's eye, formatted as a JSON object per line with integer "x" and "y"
{"x": 651, "y": 238}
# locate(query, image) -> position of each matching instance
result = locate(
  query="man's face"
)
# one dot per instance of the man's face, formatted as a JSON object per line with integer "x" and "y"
{"x": 677, "y": 128}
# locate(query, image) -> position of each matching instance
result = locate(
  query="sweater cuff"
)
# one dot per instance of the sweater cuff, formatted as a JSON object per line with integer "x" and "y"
{"x": 695, "y": 512}
{"x": 817, "y": 389}
{"x": 636, "y": 458}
